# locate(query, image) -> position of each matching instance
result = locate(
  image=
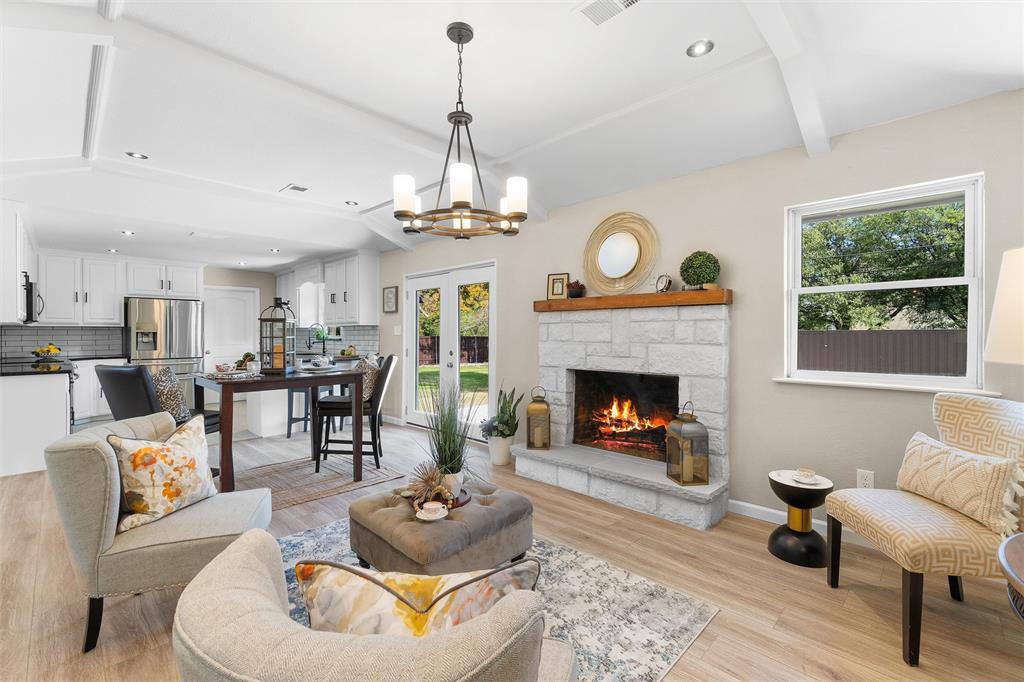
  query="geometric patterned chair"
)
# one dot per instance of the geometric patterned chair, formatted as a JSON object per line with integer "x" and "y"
{"x": 923, "y": 536}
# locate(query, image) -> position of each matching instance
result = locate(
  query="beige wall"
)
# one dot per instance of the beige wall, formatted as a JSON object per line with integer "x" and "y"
{"x": 266, "y": 282}
{"x": 736, "y": 211}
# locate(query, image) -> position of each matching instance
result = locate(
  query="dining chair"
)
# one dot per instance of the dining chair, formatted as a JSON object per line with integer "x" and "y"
{"x": 305, "y": 416}
{"x": 130, "y": 393}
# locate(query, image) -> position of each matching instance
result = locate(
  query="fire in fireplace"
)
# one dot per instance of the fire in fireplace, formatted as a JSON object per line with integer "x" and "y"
{"x": 626, "y": 413}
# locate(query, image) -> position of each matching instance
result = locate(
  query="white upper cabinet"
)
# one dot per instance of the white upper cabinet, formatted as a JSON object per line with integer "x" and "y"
{"x": 16, "y": 256}
{"x": 334, "y": 285}
{"x": 159, "y": 280}
{"x": 59, "y": 286}
{"x": 102, "y": 292}
{"x": 184, "y": 281}
{"x": 351, "y": 289}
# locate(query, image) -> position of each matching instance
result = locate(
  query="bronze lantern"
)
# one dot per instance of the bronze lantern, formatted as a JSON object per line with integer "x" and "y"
{"x": 538, "y": 421}
{"x": 686, "y": 449}
{"x": 277, "y": 338}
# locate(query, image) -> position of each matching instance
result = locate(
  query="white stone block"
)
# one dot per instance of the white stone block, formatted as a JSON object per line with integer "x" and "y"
{"x": 542, "y": 332}
{"x": 709, "y": 394}
{"x": 717, "y": 442}
{"x": 684, "y": 391}
{"x": 687, "y": 360}
{"x": 561, "y": 353}
{"x": 616, "y": 364}
{"x": 550, "y": 378}
{"x": 599, "y": 349}
{"x": 710, "y": 331}
{"x": 574, "y": 480}
{"x": 592, "y": 332}
{"x": 684, "y": 332}
{"x": 644, "y": 314}
{"x": 556, "y": 397}
{"x": 561, "y": 331}
{"x": 623, "y": 494}
{"x": 703, "y": 312}
{"x": 658, "y": 331}
{"x": 587, "y": 316}
{"x": 560, "y": 414}
{"x": 712, "y": 420}
{"x": 680, "y": 510}
{"x": 545, "y": 472}
{"x": 545, "y": 318}
{"x": 719, "y": 468}
{"x": 638, "y": 351}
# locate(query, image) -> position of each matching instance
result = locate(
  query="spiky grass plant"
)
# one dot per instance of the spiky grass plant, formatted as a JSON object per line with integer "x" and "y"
{"x": 448, "y": 429}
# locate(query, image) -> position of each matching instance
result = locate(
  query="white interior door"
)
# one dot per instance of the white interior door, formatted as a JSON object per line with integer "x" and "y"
{"x": 229, "y": 325}
{"x": 450, "y": 320}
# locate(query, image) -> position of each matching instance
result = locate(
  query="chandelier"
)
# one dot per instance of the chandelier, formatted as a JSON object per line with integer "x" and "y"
{"x": 462, "y": 217}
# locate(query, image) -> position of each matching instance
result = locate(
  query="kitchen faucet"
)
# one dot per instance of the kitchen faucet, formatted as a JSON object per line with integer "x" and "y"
{"x": 317, "y": 329}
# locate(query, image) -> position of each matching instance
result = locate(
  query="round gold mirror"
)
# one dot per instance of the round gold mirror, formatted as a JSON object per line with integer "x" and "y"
{"x": 620, "y": 253}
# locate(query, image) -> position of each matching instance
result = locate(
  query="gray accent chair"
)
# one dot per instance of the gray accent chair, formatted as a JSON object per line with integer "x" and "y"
{"x": 165, "y": 553}
{"x": 232, "y": 623}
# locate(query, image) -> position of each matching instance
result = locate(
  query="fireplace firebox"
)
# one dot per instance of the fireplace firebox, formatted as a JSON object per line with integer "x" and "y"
{"x": 623, "y": 412}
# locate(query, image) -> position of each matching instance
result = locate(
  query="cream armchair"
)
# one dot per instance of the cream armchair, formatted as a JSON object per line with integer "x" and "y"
{"x": 232, "y": 623}
{"x": 165, "y": 553}
{"x": 923, "y": 536}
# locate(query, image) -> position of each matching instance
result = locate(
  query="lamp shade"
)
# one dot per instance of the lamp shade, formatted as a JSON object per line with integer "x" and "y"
{"x": 1005, "y": 342}
{"x": 405, "y": 193}
{"x": 461, "y": 184}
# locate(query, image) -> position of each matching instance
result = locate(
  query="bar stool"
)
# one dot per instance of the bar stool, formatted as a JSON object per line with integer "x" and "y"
{"x": 304, "y": 392}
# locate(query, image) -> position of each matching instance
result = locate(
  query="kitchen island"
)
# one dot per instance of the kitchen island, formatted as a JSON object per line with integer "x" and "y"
{"x": 35, "y": 411}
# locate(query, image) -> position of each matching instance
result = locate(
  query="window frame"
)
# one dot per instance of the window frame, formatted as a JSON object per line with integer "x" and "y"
{"x": 973, "y": 188}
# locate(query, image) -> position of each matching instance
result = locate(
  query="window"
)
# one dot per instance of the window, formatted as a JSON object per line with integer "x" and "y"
{"x": 885, "y": 288}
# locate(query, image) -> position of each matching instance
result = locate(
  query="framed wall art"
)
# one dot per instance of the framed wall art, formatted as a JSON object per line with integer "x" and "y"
{"x": 390, "y": 299}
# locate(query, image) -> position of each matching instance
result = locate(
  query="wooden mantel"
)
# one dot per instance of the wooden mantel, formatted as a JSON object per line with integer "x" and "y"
{"x": 669, "y": 298}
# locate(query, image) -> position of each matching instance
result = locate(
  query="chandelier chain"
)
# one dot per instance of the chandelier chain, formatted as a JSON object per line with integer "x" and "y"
{"x": 458, "y": 103}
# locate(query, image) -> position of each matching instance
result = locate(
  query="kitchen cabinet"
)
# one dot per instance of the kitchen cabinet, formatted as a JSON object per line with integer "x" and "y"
{"x": 334, "y": 287}
{"x": 17, "y": 255}
{"x": 81, "y": 290}
{"x": 34, "y": 412}
{"x": 286, "y": 286}
{"x": 59, "y": 286}
{"x": 90, "y": 402}
{"x": 351, "y": 287}
{"x": 160, "y": 280}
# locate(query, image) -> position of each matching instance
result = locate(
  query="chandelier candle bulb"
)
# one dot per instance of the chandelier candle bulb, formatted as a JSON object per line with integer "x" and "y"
{"x": 515, "y": 190}
{"x": 461, "y": 185}
{"x": 405, "y": 195}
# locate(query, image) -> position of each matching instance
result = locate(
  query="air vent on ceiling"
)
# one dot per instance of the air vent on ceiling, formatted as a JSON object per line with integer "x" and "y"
{"x": 294, "y": 188}
{"x": 206, "y": 235}
{"x": 600, "y": 11}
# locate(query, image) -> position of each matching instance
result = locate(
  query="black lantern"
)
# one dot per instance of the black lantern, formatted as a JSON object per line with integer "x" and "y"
{"x": 277, "y": 338}
{"x": 538, "y": 421}
{"x": 686, "y": 449}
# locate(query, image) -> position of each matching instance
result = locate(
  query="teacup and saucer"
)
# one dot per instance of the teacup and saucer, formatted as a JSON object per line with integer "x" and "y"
{"x": 432, "y": 511}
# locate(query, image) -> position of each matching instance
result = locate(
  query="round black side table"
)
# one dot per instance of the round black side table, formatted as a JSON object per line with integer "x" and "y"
{"x": 796, "y": 541}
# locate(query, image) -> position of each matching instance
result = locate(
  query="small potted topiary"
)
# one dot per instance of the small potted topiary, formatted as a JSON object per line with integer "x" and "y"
{"x": 577, "y": 289}
{"x": 500, "y": 429}
{"x": 700, "y": 270}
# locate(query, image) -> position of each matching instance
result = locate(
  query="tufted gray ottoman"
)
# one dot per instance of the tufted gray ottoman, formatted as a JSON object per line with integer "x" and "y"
{"x": 496, "y": 526}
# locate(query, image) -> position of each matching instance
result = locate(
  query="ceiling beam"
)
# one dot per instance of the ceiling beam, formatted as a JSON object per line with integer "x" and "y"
{"x": 794, "y": 62}
{"x": 15, "y": 170}
{"x": 111, "y": 10}
{"x": 96, "y": 102}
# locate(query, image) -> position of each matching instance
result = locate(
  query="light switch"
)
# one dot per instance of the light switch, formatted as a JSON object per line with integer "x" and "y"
{"x": 398, "y": 330}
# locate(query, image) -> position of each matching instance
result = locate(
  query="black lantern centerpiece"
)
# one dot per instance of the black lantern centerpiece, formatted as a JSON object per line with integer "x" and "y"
{"x": 277, "y": 338}
{"x": 538, "y": 421}
{"x": 686, "y": 449}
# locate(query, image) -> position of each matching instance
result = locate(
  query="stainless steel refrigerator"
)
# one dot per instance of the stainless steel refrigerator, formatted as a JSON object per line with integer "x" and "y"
{"x": 163, "y": 332}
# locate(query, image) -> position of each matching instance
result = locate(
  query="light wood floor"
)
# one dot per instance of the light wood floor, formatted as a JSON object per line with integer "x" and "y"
{"x": 777, "y": 622}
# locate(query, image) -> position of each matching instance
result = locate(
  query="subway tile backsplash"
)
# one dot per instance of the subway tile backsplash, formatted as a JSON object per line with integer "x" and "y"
{"x": 18, "y": 341}
{"x": 366, "y": 339}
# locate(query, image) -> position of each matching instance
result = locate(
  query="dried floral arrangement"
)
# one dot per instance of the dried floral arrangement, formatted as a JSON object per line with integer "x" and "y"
{"x": 426, "y": 485}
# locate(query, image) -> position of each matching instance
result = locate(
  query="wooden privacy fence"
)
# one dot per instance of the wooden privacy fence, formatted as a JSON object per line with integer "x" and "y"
{"x": 890, "y": 351}
{"x": 471, "y": 349}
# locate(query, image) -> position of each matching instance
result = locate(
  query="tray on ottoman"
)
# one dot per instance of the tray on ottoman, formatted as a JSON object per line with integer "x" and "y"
{"x": 494, "y": 527}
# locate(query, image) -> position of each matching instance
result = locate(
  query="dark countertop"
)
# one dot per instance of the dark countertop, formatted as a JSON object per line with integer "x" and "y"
{"x": 21, "y": 368}
{"x": 65, "y": 358}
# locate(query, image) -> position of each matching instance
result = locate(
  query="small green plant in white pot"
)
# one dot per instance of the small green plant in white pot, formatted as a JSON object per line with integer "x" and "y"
{"x": 448, "y": 433}
{"x": 501, "y": 428}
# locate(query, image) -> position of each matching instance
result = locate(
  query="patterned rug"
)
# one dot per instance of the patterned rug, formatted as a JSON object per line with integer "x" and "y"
{"x": 294, "y": 481}
{"x": 623, "y": 626}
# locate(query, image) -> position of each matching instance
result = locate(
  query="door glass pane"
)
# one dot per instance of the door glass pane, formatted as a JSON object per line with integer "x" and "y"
{"x": 474, "y": 332}
{"x": 898, "y": 331}
{"x": 428, "y": 332}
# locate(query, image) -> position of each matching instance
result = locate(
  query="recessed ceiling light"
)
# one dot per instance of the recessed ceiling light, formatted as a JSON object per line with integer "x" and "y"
{"x": 275, "y": 251}
{"x": 127, "y": 233}
{"x": 112, "y": 250}
{"x": 241, "y": 262}
{"x": 700, "y": 48}
{"x": 351, "y": 203}
{"x": 136, "y": 155}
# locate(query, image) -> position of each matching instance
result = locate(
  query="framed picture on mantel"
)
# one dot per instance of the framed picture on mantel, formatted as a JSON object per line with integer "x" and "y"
{"x": 390, "y": 299}
{"x": 558, "y": 285}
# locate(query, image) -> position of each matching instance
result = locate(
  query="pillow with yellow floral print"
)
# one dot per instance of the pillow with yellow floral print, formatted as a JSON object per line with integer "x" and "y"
{"x": 347, "y": 599}
{"x": 160, "y": 477}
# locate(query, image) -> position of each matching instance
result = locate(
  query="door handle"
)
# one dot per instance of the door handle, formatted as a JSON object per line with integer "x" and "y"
{"x": 207, "y": 352}
{"x": 76, "y": 297}
{"x": 334, "y": 298}
{"x": 86, "y": 297}
{"x": 42, "y": 304}
{"x": 161, "y": 285}
{"x": 169, "y": 285}
{"x": 345, "y": 296}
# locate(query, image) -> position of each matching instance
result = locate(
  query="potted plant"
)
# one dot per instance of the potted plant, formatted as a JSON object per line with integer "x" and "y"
{"x": 448, "y": 434}
{"x": 577, "y": 289}
{"x": 700, "y": 269}
{"x": 501, "y": 428}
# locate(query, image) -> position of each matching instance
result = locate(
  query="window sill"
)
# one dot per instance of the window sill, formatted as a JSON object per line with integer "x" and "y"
{"x": 887, "y": 387}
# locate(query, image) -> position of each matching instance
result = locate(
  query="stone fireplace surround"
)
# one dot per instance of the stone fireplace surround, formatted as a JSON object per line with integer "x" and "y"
{"x": 690, "y": 342}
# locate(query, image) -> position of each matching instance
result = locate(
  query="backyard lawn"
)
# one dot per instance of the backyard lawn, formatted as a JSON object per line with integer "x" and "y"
{"x": 473, "y": 379}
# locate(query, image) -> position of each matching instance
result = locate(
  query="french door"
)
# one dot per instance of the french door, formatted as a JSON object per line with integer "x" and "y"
{"x": 450, "y": 330}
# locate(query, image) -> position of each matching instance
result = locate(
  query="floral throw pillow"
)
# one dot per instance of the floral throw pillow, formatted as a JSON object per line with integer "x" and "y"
{"x": 349, "y": 600}
{"x": 170, "y": 395}
{"x": 159, "y": 478}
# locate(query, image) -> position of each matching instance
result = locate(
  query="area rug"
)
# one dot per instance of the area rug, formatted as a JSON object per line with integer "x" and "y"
{"x": 294, "y": 481}
{"x": 622, "y": 626}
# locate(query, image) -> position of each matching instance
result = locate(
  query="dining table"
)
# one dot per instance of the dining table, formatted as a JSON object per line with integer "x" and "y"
{"x": 227, "y": 387}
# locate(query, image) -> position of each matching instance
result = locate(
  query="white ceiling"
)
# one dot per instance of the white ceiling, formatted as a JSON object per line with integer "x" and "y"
{"x": 233, "y": 100}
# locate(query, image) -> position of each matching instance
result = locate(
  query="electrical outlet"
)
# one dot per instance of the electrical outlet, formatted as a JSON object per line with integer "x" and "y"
{"x": 865, "y": 478}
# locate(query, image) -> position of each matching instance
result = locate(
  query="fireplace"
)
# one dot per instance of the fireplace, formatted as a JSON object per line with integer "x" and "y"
{"x": 624, "y": 412}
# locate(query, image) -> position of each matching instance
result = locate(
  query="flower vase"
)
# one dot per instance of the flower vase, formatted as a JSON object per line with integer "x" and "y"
{"x": 500, "y": 449}
{"x": 453, "y": 482}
